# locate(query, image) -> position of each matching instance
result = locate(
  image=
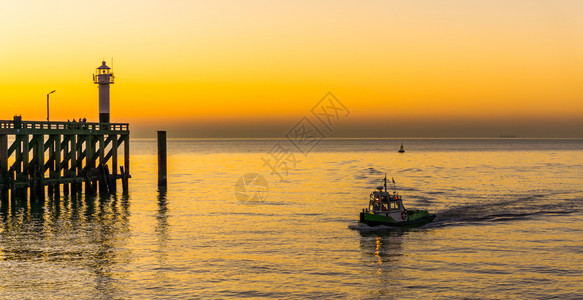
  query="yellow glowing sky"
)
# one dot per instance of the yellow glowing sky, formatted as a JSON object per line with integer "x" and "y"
{"x": 226, "y": 68}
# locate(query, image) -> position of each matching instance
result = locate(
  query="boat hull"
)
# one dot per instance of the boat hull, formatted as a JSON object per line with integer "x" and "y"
{"x": 415, "y": 219}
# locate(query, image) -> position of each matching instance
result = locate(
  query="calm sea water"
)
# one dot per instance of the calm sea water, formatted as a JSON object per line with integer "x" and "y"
{"x": 509, "y": 225}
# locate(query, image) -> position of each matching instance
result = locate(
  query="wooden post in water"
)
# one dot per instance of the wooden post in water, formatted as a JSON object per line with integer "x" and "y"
{"x": 73, "y": 167}
{"x": 11, "y": 178}
{"x": 57, "y": 166}
{"x": 4, "y": 184}
{"x": 114, "y": 164}
{"x": 39, "y": 164}
{"x": 162, "y": 182}
{"x": 50, "y": 164}
{"x": 103, "y": 190}
{"x": 90, "y": 164}
{"x": 124, "y": 181}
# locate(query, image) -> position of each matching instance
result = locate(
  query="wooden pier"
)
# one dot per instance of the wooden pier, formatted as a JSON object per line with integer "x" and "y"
{"x": 63, "y": 155}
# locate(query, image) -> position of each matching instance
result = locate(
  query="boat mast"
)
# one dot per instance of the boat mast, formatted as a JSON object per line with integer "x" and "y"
{"x": 385, "y": 182}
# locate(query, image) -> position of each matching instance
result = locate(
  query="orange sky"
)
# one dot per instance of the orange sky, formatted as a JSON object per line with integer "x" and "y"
{"x": 253, "y": 68}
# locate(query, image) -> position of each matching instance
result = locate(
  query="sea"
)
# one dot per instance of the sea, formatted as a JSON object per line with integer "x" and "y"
{"x": 278, "y": 219}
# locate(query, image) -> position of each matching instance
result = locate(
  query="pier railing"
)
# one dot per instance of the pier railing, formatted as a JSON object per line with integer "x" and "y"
{"x": 16, "y": 127}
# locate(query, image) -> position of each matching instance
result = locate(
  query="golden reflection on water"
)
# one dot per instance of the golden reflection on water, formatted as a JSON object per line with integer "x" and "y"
{"x": 64, "y": 241}
{"x": 377, "y": 252}
{"x": 505, "y": 229}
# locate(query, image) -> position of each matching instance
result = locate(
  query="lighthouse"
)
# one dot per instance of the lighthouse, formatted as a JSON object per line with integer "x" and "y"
{"x": 103, "y": 77}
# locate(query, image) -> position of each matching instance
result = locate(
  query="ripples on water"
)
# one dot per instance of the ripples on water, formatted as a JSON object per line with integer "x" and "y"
{"x": 509, "y": 215}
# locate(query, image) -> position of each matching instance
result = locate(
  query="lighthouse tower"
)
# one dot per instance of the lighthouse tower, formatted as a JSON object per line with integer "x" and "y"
{"x": 104, "y": 78}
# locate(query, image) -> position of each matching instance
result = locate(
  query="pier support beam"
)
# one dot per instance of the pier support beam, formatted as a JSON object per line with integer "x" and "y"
{"x": 114, "y": 163}
{"x": 126, "y": 154}
{"x": 73, "y": 166}
{"x": 4, "y": 184}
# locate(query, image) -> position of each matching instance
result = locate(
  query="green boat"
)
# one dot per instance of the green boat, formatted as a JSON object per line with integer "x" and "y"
{"x": 387, "y": 209}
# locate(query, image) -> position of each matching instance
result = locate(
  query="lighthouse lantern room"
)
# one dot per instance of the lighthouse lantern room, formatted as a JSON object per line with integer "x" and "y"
{"x": 104, "y": 77}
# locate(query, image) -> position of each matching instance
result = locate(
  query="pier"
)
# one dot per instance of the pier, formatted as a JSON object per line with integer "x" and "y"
{"x": 62, "y": 156}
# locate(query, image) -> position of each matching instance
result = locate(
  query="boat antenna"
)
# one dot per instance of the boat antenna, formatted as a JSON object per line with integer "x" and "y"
{"x": 394, "y": 185}
{"x": 385, "y": 182}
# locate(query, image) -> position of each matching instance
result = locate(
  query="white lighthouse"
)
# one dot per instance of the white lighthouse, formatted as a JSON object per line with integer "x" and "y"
{"x": 104, "y": 78}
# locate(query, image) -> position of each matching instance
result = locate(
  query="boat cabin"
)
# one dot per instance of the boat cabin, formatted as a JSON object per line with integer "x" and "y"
{"x": 383, "y": 201}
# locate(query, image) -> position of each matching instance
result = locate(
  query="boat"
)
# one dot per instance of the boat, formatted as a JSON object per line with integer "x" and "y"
{"x": 387, "y": 209}
{"x": 401, "y": 150}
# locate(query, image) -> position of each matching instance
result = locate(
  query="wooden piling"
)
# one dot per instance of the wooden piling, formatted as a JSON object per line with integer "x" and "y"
{"x": 66, "y": 190}
{"x": 126, "y": 153}
{"x": 89, "y": 186}
{"x": 162, "y": 153}
{"x": 114, "y": 145}
{"x": 124, "y": 181}
{"x": 11, "y": 182}
{"x": 4, "y": 184}
{"x": 103, "y": 185}
{"x": 109, "y": 180}
{"x": 57, "y": 165}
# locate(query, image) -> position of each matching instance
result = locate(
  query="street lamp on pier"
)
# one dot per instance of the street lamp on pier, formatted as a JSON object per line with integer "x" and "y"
{"x": 48, "y": 104}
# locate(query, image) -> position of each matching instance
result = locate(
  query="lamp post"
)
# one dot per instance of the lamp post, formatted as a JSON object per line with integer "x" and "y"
{"x": 48, "y": 104}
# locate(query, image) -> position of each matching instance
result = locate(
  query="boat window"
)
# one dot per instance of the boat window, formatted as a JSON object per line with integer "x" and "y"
{"x": 394, "y": 205}
{"x": 385, "y": 206}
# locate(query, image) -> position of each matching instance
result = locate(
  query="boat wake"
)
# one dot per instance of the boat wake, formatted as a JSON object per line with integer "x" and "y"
{"x": 520, "y": 209}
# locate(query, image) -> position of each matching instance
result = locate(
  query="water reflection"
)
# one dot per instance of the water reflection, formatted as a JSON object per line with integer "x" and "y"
{"x": 162, "y": 235}
{"x": 73, "y": 237}
{"x": 382, "y": 250}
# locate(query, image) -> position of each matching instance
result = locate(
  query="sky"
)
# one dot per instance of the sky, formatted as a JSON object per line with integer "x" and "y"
{"x": 238, "y": 69}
